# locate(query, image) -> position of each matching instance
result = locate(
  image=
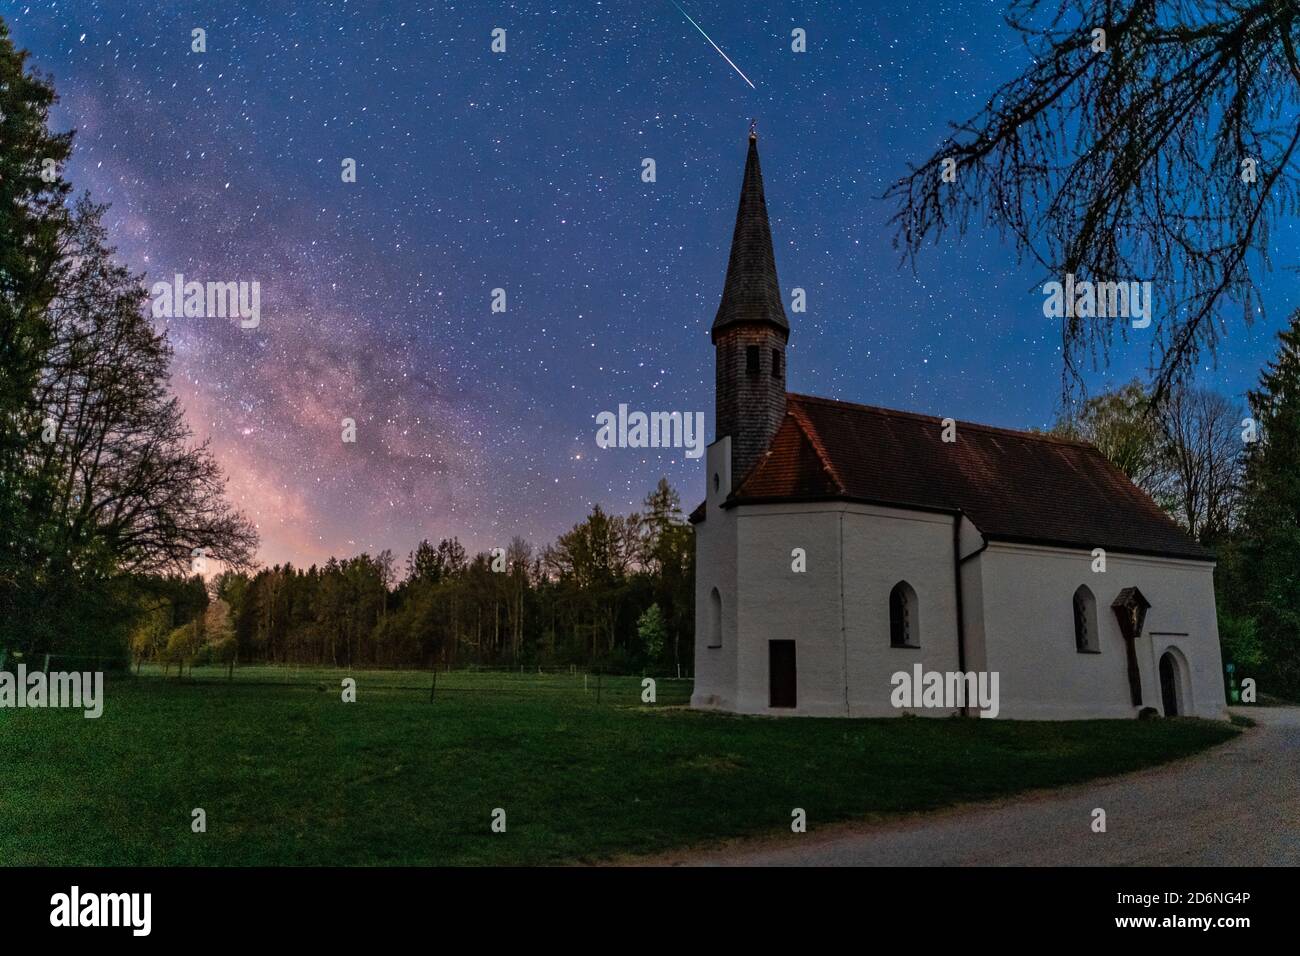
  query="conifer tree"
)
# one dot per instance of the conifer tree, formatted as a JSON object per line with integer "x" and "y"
{"x": 32, "y": 222}
{"x": 1270, "y": 562}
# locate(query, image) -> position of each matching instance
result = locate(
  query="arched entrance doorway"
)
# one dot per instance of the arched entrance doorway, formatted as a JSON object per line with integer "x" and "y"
{"x": 1169, "y": 683}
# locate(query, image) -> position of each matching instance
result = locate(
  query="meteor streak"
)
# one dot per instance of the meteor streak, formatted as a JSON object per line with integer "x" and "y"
{"x": 712, "y": 44}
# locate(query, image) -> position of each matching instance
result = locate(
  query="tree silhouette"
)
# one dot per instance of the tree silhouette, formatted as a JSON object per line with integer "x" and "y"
{"x": 1147, "y": 141}
{"x": 101, "y": 483}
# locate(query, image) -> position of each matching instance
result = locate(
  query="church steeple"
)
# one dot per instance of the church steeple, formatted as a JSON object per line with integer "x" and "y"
{"x": 751, "y": 294}
{"x": 750, "y": 332}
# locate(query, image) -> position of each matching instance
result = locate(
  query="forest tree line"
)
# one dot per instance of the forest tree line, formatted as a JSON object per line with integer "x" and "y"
{"x": 614, "y": 592}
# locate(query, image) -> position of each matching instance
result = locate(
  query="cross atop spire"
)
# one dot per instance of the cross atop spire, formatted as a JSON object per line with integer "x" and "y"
{"x": 751, "y": 294}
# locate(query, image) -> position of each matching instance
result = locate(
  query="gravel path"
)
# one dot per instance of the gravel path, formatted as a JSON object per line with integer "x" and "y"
{"x": 1235, "y": 805}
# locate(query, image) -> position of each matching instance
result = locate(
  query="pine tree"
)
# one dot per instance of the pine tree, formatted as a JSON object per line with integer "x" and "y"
{"x": 1270, "y": 562}
{"x": 32, "y": 222}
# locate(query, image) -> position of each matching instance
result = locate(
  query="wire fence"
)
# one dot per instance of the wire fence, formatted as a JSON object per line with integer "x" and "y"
{"x": 569, "y": 683}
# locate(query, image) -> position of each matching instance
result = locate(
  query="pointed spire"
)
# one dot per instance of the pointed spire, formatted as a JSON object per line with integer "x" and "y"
{"x": 751, "y": 294}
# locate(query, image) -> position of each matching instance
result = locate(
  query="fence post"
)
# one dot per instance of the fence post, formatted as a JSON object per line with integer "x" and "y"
{"x": 47, "y": 663}
{"x": 434, "y": 687}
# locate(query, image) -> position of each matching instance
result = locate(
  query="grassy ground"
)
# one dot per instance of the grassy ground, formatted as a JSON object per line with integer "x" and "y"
{"x": 291, "y": 775}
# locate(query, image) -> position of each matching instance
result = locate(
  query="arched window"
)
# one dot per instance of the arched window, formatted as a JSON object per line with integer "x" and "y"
{"x": 715, "y": 619}
{"x": 904, "y": 630}
{"x": 1086, "y": 638}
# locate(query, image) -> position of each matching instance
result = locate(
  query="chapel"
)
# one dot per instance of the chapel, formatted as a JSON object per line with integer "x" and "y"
{"x": 840, "y": 544}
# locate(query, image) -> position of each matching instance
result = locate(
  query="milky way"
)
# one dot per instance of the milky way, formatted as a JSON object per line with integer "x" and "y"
{"x": 522, "y": 170}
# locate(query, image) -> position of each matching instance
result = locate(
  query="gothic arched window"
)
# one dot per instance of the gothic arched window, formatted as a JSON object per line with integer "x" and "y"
{"x": 1086, "y": 638}
{"x": 903, "y": 626}
{"x": 715, "y": 619}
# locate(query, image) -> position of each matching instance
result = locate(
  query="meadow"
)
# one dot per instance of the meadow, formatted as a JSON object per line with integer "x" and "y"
{"x": 288, "y": 774}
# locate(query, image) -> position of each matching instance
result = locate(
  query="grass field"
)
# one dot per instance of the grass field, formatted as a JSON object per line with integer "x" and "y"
{"x": 288, "y": 774}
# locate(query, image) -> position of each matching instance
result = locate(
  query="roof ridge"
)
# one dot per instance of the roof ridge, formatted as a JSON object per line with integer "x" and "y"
{"x": 805, "y": 429}
{"x": 814, "y": 439}
{"x": 1072, "y": 495}
{"x": 917, "y": 416}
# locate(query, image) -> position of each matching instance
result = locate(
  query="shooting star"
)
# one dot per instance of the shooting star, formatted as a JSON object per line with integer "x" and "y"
{"x": 712, "y": 44}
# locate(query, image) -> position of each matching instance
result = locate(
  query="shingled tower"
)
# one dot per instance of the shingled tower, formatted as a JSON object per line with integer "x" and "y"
{"x": 750, "y": 332}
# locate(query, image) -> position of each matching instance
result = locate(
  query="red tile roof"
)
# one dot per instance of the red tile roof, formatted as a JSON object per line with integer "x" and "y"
{"x": 1015, "y": 486}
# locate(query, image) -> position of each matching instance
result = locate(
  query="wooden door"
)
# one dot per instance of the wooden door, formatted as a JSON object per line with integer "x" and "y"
{"x": 1169, "y": 684}
{"x": 783, "y": 677}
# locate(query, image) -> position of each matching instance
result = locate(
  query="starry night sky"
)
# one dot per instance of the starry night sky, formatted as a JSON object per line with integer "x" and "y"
{"x": 522, "y": 170}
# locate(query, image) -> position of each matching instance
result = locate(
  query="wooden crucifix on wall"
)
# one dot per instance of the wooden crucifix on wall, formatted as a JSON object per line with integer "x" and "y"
{"x": 1130, "y": 607}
